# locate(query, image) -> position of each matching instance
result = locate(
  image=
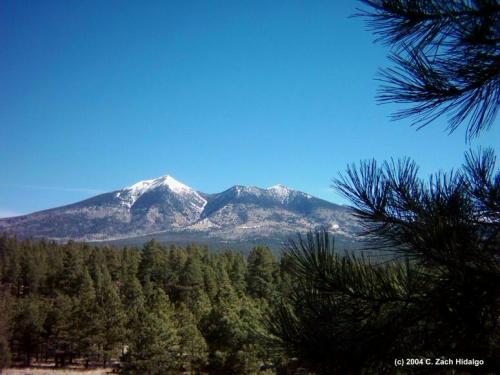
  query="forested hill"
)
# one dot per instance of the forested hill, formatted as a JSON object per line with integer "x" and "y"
{"x": 151, "y": 308}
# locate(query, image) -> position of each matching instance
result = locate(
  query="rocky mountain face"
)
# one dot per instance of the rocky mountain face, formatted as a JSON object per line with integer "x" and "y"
{"x": 167, "y": 208}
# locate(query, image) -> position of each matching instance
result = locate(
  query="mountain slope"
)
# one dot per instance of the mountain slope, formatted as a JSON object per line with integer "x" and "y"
{"x": 167, "y": 206}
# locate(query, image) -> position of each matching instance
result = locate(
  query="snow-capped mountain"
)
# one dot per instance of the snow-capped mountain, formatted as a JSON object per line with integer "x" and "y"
{"x": 132, "y": 194}
{"x": 168, "y": 208}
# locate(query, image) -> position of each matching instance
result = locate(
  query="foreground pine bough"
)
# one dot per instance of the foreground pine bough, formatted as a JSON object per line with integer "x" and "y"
{"x": 438, "y": 298}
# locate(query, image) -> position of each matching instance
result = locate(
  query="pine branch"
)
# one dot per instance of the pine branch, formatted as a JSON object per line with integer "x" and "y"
{"x": 446, "y": 60}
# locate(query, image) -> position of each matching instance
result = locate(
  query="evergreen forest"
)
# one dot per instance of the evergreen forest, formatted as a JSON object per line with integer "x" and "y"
{"x": 153, "y": 310}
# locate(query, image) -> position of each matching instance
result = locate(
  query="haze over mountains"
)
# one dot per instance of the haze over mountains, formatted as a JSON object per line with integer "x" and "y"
{"x": 167, "y": 209}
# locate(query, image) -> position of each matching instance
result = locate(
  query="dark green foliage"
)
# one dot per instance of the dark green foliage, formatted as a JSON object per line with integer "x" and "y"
{"x": 27, "y": 326}
{"x": 58, "y": 333}
{"x": 134, "y": 303}
{"x": 231, "y": 331}
{"x": 191, "y": 286}
{"x": 6, "y": 311}
{"x": 260, "y": 276}
{"x": 237, "y": 271}
{"x": 154, "y": 348}
{"x": 446, "y": 56}
{"x": 70, "y": 276}
{"x": 84, "y": 327}
{"x": 153, "y": 264}
{"x": 439, "y": 295}
{"x": 341, "y": 314}
{"x": 74, "y": 303}
{"x": 192, "y": 274}
{"x": 110, "y": 316}
{"x": 194, "y": 350}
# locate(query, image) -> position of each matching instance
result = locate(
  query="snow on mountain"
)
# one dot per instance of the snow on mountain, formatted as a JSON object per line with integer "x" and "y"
{"x": 132, "y": 193}
{"x": 283, "y": 193}
{"x": 165, "y": 205}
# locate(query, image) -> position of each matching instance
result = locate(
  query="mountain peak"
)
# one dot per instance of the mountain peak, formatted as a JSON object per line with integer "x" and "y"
{"x": 129, "y": 195}
{"x": 174, "y": 185}
{"x": 164, "y": 206}
{"x": 282, "y": 192}
{"x": 167, "y": 180}
{"x": 279, "y": 187}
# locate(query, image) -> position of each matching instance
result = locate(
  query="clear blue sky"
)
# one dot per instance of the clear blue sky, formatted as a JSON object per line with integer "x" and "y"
{"x": 96, "y": 95}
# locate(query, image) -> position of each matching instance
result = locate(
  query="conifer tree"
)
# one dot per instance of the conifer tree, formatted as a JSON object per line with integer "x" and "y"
{"x": 154, "y": 349}
{"x": 153, "y": 264}
{"x": 191, "y": 283}
{"x": 176, "y": 261}
{"x": 27, "y": 326}
{"x": 229, "y": 330}
{"x": 446, "y": 59}
{"x": 130, "y": 259}
{"x": 110, "y": 316}
{"x": 193, "y": 347}
{"x": 133, "y": 300}
{"x": 11, "y": 257}
{"x": 192, "y": 274}
{"x": 32, "y": 272}
{"x": 113, "y": 262}
{"x": 84, "y": 327}
{"x": 210, "y": 281}
{"x": 237, "y": 272}
{"x": 261, "y": 267}
{"x": 58, "y": 333}
{"x": 349, "y": 315}
{"x": 225, "y": 291}
{"x": 5, "y": 316}
{"x": 69, "y": 279}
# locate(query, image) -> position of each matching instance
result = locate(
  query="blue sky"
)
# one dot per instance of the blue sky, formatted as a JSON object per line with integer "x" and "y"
{"x": 96, "y": 95}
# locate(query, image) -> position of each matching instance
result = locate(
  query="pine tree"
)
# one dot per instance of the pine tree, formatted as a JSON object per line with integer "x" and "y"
{"x": 27, "y": 326}
{"x": 84, "y": 329}
{"x": 113, "y": 262}
{"x": 5, "y": 316}
{"x": 347, "y": 314}
{"x": 133, "y": 300}
{"x": 238, "y": 273}
{"x": 69, "y": 279}
{"x": 59, "y": 334}
{"x": 209, "y": 281}
{"x": 192, "y": 274}
{"x": 446, "y": 59}
{"x": 154, "y": 349}
{"x": 229, "y": 331}
{"x": 32, "y": 268}
{"x": 191, "y": 284}
{"x": 130, "y": 263}
{"x": 176, "y": 260}
{"x": 153, "y": 264}
{"x": 261, "y": 267}
{"x": 192, "y": 343}
{"x": 110, "y": 316}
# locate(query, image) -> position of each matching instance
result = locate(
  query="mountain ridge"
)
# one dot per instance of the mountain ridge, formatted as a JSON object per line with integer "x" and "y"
{"x": 165, "y": 205}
